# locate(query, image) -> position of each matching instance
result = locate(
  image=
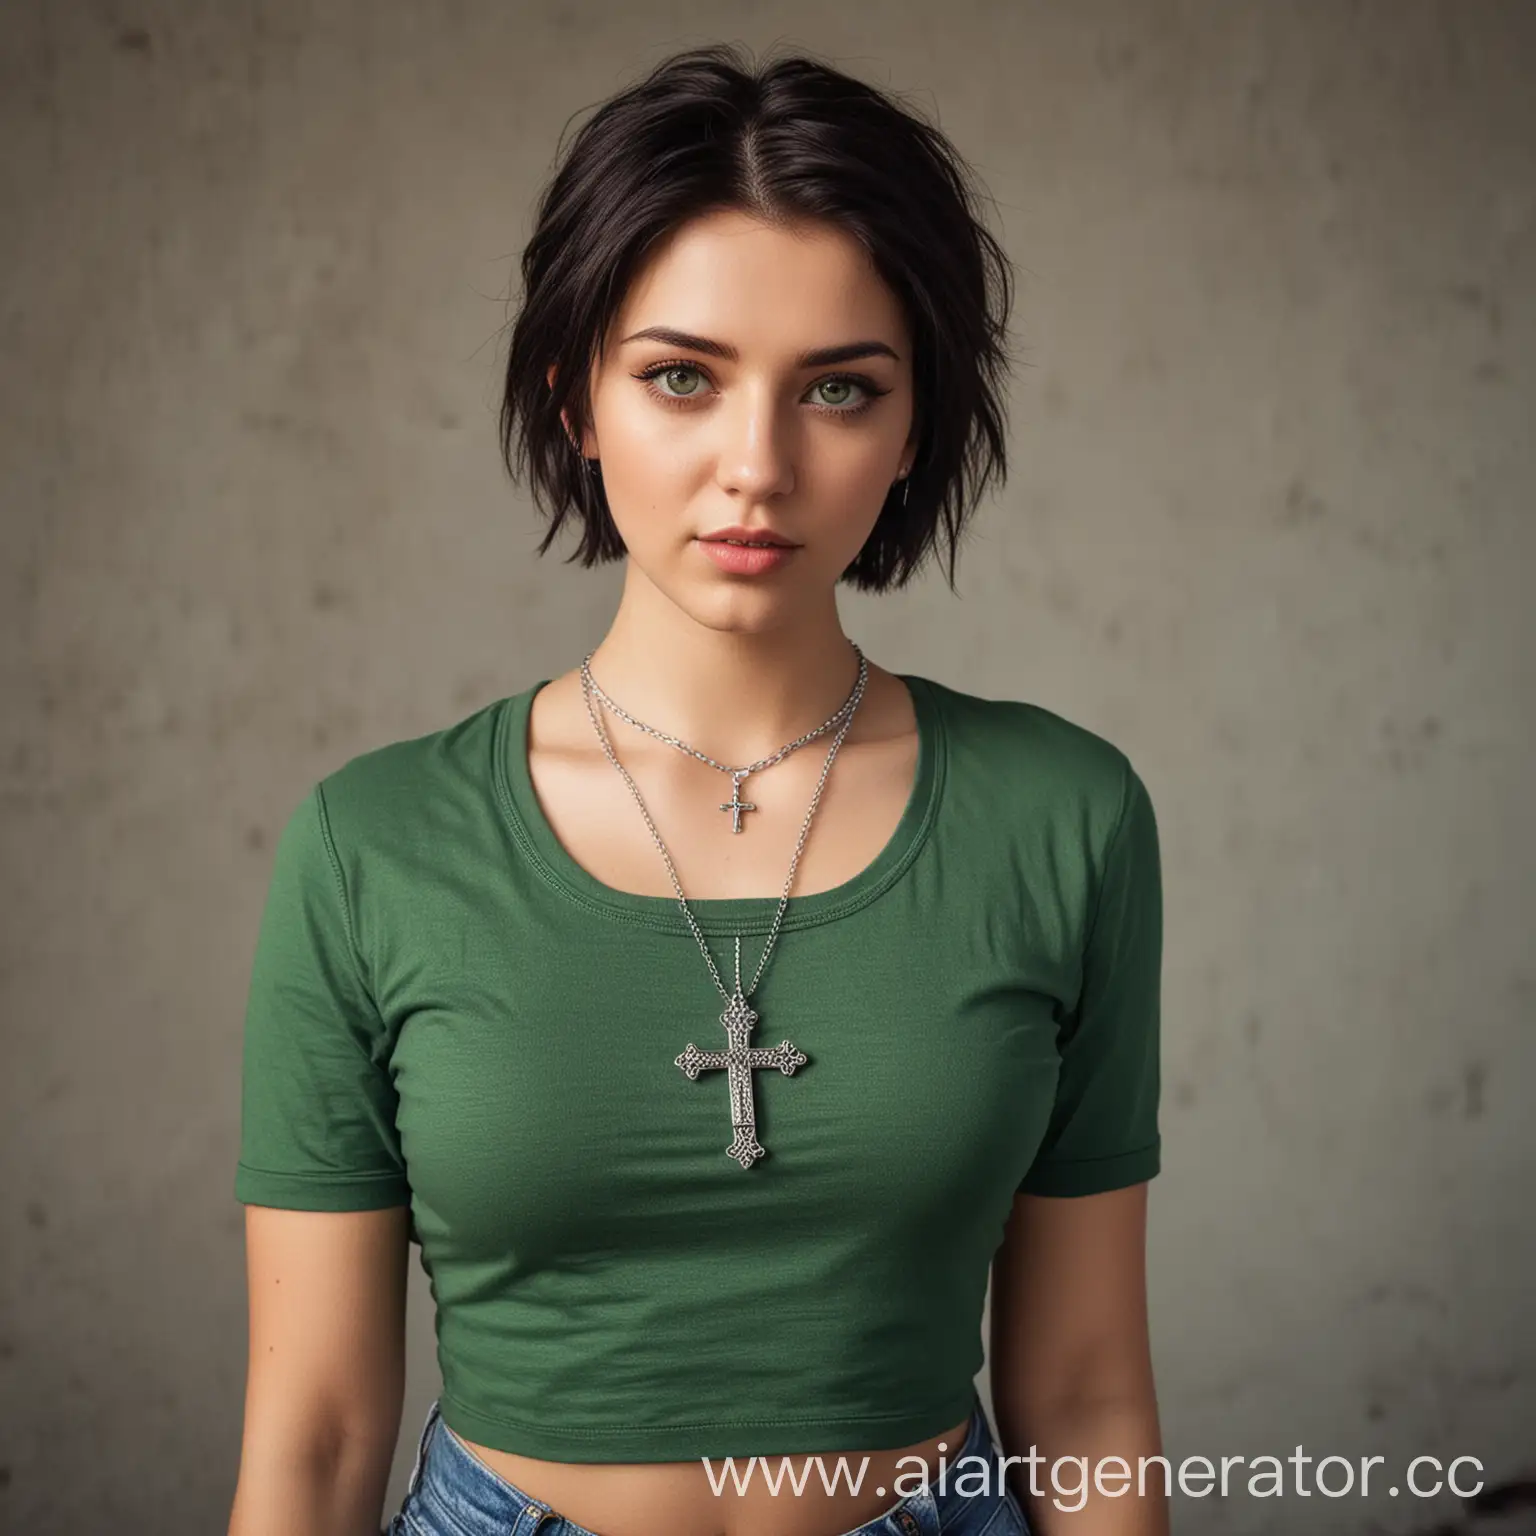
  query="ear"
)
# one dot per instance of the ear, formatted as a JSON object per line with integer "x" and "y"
{"x": 588, "y": 445}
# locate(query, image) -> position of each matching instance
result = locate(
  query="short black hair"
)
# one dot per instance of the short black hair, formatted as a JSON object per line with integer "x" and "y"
{"x": 789, "y": 140}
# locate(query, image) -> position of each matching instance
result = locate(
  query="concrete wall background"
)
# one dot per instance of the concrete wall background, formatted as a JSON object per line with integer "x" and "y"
{"x": 1269, "y": 528}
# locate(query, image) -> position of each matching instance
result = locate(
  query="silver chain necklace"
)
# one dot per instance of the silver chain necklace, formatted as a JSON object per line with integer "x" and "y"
{"x": 739, "y": 1059}
{"x": 735, "y": 805}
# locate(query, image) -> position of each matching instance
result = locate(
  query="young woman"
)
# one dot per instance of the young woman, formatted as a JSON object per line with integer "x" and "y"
{"x": 717, "y": 1015}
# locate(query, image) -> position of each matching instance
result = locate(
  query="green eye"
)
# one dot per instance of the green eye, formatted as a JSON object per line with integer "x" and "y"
{"x": 671, "y": 374}
{"x": 837, "y": 384}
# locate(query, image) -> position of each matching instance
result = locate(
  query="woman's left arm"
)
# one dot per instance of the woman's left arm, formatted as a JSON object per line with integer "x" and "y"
{"x": 1071, "y": 1364}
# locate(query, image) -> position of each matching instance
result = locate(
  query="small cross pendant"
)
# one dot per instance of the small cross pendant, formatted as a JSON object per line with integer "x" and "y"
{"x": 736, "y": 805}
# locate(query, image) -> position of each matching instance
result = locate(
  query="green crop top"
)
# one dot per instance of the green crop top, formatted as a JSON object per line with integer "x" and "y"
{"x": 447, "y": 1011}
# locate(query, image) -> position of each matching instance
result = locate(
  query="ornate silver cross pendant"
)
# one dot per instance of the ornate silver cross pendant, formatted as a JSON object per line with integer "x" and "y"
{"x": 739, "y": 1059}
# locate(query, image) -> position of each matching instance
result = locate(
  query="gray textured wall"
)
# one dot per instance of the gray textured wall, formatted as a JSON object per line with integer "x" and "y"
{"x": 1269, "y": 528}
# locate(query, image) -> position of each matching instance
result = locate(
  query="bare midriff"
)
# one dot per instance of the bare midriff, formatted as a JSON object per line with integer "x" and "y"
{"x": 677, "y": 1498}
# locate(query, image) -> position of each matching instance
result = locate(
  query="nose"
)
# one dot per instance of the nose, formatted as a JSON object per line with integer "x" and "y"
{"x": 757, "y": 449}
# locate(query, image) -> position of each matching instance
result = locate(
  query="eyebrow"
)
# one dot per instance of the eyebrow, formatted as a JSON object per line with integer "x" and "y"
{"x": 819, "y": 357}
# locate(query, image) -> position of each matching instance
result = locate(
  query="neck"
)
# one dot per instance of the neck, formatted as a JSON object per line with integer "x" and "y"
{"x": 735, "y": 694}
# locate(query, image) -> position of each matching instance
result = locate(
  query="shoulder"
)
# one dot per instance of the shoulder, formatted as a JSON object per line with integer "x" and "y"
{"x": 414, "y": 782}
{"x": 1017, "y": 748}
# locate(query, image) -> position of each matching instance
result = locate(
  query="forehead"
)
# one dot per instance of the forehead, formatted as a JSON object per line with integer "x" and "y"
{"x": 765, "y": 288}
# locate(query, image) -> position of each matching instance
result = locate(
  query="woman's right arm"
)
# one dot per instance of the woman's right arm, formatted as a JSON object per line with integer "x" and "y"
{"x": 325, "y": 1378}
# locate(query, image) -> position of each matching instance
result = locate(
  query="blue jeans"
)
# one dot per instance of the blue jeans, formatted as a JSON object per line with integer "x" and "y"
{"x": 453, "y": 1493}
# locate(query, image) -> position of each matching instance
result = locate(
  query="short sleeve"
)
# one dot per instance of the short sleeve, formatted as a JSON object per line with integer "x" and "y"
{"x": 317, "y": 1102}
{"x": 1103, "y": 1132}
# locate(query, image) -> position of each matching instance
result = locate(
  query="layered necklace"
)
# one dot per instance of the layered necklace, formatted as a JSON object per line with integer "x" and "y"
{"x": 740, "y": 1058}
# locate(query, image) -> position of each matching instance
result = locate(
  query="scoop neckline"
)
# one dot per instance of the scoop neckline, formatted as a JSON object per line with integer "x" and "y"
{"x": 725, "y": 914}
